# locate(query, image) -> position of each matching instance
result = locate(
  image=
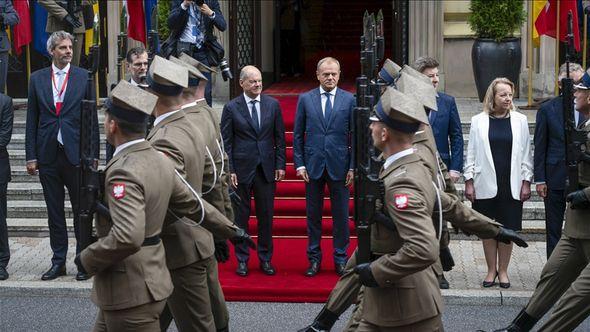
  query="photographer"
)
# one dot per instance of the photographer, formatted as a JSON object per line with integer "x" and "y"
{"x": 191, "y": 24}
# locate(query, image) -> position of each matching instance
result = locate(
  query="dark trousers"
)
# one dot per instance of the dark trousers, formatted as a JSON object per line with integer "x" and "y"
{"x": 554, "y": 212}
{"x": 53, "y": 179}
{"x": 4, "y": 249}
{"x": 3, "y": 70}
{"x": 264, "y": 193}
{"x": 314, "y": 197}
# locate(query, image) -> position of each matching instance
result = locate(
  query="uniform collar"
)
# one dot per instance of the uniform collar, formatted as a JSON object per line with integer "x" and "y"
{"x": 185, "y": 106}
{"x": 394, "y": 157}
{"x": 127, "y": 144}
{"x": 164, "y": 116}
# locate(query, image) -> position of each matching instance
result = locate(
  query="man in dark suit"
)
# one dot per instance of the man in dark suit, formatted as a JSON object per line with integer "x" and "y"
{"x": 192, "y": 26}
{"x": 549, "y": 158}
{"x": 6, "y": 117}
{"x": 322, "y": 155}
{"x": 254, "y": 137}
{"x": 53, "y": 141}
{"x": 8, "y": 17}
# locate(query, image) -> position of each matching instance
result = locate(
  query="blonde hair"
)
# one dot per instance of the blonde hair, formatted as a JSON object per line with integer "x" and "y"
{"x": 488, "y": 100}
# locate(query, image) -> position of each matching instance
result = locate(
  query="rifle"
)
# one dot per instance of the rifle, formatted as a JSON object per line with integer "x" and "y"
{"x": 153, "y": 38}
{"x": 575, "y": 139}
{"x": 91, "y": 181}
{"x": 367, "y": 186}
{"x": 121, "y": 46}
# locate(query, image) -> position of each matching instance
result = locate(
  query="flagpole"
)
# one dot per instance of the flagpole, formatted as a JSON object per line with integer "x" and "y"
{"x": 28, "y": 55}
{"x": 557, "y": 52}
{"x": 530, "y": 55}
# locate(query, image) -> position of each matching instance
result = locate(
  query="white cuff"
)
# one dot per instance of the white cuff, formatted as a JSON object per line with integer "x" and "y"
{"x": 457, "y": 173}
{"x": 183, "y": 6}
{"x": 300, "y": 168}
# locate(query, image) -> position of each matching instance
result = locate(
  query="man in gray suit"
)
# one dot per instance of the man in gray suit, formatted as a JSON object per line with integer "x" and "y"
{"x": 8, "y": 17}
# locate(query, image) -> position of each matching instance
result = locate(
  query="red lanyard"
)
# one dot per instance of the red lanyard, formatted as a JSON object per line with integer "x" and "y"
{"x": 63, "y": 86}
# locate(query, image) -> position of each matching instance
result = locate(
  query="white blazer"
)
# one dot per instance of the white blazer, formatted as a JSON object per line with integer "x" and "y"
{"x": 479, "y": 165}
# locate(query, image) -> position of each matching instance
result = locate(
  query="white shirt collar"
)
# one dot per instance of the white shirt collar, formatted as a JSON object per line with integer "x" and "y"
{"x": 188, "y": 105}
{"x": 127, "y": 144}
{"x": 55, "y": 69}
{"x": 391, "y": 159}
{"x": 164, "y": 116}
{"x": 248, "y": 99}
{"x": 332, "y": 93}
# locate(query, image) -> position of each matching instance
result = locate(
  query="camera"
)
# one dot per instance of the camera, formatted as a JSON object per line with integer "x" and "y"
{"x": 225, "y": 71}
{"x": 199, "y": 2}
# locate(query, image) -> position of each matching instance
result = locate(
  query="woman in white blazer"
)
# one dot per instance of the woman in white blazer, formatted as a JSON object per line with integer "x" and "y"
{"x": 498, "y": 171}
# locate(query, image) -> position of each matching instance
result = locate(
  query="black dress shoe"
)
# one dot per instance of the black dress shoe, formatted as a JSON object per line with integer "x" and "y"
{"x": 443, "y": 283}
{"x": 54, "y": 272}
{"x": 488, "y": 284}
{"x": 339, "y": 269}
{"x": 313, "y": 269}
{"x": 242, "y": 269}
{"x": 81, "y": 276}
{"x": 268, "y": 269}
{"x": 3, "y": 273}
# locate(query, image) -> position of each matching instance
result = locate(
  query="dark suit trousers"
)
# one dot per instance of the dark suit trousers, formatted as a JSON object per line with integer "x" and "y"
{"x": 3, "y": 70}
{"x": 314, "y": 197}
{"x": 4, "y": 249}
{"x": 53, "y": 179}
{"x": 554, "y": 214}
{"x": 264, "y": 193}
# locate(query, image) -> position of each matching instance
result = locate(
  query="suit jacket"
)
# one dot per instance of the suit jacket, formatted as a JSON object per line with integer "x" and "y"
{"x": 10, "y": 18}
{"x": 446, "y": 126}
{"x": 186, "y": 243}
{"x": 43, "y": 123}
{"x": 480, "y": 164}
{"x": 549, "y": 142}
{"x": 247, "y": 148}
{"x": 408, "y": 290}
{"x": 6, "y": 118}
{"x": 178, "y": 19}
{"x": 56, "y": 14}
{"x": 320, "y": 144}
{"x": 576, "y": 221}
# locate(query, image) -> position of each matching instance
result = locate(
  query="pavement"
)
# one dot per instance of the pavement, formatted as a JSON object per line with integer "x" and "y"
{"x": 30, "y": 258}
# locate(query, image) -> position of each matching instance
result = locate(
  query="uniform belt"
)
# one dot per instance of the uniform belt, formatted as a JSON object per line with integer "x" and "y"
{"x": 151, "y": 241}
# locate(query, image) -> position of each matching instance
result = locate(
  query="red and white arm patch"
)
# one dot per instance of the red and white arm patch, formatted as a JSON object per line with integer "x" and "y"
{"x": 401, "y": 201}
{"x": 118, "y": 191}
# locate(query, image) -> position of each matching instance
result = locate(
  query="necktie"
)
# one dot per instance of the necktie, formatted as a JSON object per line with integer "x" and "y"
{"x": 328, "y": 107}
{"x": 196, "y": 16}
{"x": 254, "y": 115}
{"x": 60, "y": 80}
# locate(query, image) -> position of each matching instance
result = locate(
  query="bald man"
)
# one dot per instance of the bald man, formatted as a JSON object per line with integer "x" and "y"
{"x": 254, "y": 137}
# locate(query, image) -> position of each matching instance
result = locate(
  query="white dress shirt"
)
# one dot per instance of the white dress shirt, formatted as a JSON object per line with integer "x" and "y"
{"x": 164, "y": 116}
{"x": 391, "y": 159}
{"x": 248, "y": 100}
{"x": 59, "y": 76}
{"x": 323, "y": 99}
{"x": 187, "y": 34}
{"x": 127, "y": 144}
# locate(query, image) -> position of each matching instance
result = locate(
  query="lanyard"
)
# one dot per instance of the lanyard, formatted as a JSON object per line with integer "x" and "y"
{"x": 61, "y": 90}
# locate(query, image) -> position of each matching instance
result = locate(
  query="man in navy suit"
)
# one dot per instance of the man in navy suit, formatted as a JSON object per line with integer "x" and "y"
{"x": 322, "y": 153}
{"x": 549, "y": 158}
{"x": 254, "y": 138}
{"x": 191, "y": 26}
{"x": 53, "y": 141}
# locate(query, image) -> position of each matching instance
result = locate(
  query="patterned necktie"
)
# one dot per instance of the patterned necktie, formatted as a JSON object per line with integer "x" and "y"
{"x": 328, "y": 107}
{"x": 254, "y": 115}
{"x": 195, "y": 14}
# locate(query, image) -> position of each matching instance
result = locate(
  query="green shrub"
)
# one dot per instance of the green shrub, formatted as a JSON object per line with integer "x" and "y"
{"x": 163, "y": 12}
{"x": 496, "y": 19}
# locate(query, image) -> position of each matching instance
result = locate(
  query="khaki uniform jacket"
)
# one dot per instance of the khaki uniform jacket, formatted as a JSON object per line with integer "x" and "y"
{"x": 139, "y": 185}
{"x": 56, "y": 14}
{"x": 453, "y": 209}
{"x": 577, "y": 224}
{"x": 408, "y": 291}
{"x": 186, "y": 243}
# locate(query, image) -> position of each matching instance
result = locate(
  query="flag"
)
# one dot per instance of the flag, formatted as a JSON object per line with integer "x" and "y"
{"x": 538, "y": 6}
{"x": 546, "y": 21}
{"x": 22, "y": 31}
{"x": 150, "y": 7}
{"x": 89, "y": 35}
{"x": 136, "y": 20}
{"x": 39, "y": 35}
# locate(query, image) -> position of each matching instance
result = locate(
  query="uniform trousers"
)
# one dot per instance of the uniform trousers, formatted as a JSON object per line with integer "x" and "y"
{"x": 565, "y": 273}
{"x": 433, "y": 324}
{"x": 190, "y": 302}
{"x": 346, "y": 290}
{"x": 141, "y": 318}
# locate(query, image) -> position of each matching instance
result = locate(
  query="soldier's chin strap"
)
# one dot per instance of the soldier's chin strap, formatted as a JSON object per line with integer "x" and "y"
{"x": 214, "y": 171}
{"x": 192, "y": 224}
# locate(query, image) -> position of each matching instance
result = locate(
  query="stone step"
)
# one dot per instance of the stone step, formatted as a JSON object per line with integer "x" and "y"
{"x": 17, "y": 157}
{"x": 17, "y": 141}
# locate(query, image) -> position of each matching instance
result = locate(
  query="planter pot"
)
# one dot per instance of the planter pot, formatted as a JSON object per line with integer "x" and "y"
{"x": 491, "y": 59}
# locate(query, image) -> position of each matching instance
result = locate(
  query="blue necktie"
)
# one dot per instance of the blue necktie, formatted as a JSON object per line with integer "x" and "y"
{"x": 328, "y": 107}
{"x": 255, "y": 115}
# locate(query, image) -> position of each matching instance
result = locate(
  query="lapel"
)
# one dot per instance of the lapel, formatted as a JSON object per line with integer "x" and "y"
{"x": 162, "y": 123}
{"x": 243, "y": 108}
{"x": 515, "y": 127}
{"x": 47, "y": 88}
{"x": 135, "y": 147}
{"x": 485, "y": 130}
{"x": 316, "y": 100}
{"x": 265, "y": 112}
{"x": 72, "y": 78}
{"x": 435, "y": 113}
{"x": 335, "y": 106}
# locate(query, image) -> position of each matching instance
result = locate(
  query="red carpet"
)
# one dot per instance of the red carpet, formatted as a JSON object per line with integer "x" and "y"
{"x": 289, "y": 229}
{"x": 289, "y": 284}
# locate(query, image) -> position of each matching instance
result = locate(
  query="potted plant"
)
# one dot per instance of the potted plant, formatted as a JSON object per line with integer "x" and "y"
{"x": 496, "y": 52}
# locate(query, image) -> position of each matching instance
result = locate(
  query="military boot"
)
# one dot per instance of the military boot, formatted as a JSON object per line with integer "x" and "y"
{"x": 323, "y": 322}
{"x": 522, "y": 323}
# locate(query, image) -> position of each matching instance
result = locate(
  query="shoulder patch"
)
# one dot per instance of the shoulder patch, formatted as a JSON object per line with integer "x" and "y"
{"x": 401, "y": 201}
{"x": 118, "y": 190}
